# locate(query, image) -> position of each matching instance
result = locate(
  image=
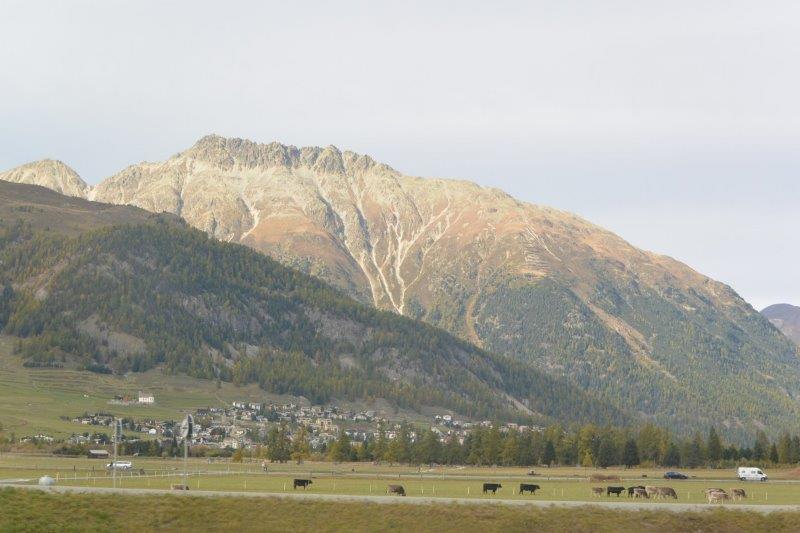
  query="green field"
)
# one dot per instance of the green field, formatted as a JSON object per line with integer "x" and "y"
{"x": 359, "y": 479}
{"x": 37, "y": 511}
{"x": 32, "y": 400}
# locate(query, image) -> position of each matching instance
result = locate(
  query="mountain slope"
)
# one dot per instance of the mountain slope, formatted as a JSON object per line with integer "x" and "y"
{"x": 131, "y": 297}
{"x": 48, "y": 173}
{"x": 44, "y": 209}
{"x": 543, "y": 286}
{"x": 786, "y": 318}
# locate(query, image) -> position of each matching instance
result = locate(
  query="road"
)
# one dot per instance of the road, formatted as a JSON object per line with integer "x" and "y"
{"x": 414, "y": 500}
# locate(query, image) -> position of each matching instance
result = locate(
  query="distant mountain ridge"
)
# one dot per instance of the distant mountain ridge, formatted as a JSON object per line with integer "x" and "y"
{"x": 541, "y": 285}
{"x": 786, "y": 318}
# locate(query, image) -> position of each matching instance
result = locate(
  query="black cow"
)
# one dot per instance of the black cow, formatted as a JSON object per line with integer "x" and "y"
{"x": 396, "y": 489}
{"x": 301, "y": 483}
{"x": 491, "y": 487}
{"x": 523, "y": 487}
{"x": 630, "y": 490}
{"x": 615, "y": 490}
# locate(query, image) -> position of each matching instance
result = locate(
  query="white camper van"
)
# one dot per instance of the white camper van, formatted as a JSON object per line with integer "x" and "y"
{"x": 750, "y": 473}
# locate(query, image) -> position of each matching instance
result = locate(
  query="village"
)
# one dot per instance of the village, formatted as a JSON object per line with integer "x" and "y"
{"x": 245, "y": 425}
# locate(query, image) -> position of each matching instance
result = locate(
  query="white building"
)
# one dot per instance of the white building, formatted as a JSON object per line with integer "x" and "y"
{"x": 146, "y": 398}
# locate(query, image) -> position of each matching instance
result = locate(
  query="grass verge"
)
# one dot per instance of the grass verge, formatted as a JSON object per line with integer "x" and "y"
{"x": 39, "y": 511}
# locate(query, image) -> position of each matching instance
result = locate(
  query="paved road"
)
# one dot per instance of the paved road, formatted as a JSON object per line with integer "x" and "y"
{"x": 414, "y": 500}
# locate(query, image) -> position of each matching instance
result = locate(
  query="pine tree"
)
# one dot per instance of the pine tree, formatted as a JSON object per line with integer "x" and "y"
{"x": 453, "y": 452}
{"x": 491, "y": 446}
{"x": 761, "y": 447}
{"x": 795, "y": 457}
{"x": 672, "y": 457}
{"x": 301, "y": 449}
{"x": 381, "y": 446}
{"x": 400, "y": 448}
{"x": 713, "y": 447}
{"x": 785, "y": 449}
{"x": 693, "y": 454}
{"x": 606, "y": 452}
{"x": 773, "y": 453}
{"x": 549, "y": 453}
{"x": 279, "y": 447}
{"x": 341, "y": 450}
{"x": 429, "y": 449}
{"x": 364, "y": 452}
{"x": 630, "y": 455}
{"x": 510, "y": 453}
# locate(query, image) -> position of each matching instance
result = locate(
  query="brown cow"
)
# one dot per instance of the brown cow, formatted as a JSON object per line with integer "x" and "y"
{"x": 738, "y": 494}
{"x": 396, "y": 489}
{"x": 651, "y": 491}
{"x": 639, "y": 492}
{"x": 667, "y": 492}
{"x": 631, "y": 489}
{"x": 717, "y": 496}
{"x": 597, "y": 491}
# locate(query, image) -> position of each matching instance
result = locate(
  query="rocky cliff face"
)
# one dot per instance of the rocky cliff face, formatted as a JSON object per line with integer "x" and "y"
{"x": 786, "y": 318}
{"x": 48, "y": 173}
{"x": 540, "y": 284}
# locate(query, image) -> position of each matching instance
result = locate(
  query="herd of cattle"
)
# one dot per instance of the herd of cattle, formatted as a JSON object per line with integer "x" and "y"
{"x": 715, "y": 495}
{"x": 639, "y": 491}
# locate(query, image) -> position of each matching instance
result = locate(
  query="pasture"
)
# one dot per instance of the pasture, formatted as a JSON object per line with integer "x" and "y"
{"x": 38, "y": 511}
{"x": 359, "y": 479}
{"x": 34, "y": 400}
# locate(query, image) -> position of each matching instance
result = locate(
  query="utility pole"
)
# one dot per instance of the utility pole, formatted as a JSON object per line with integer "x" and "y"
{"x": 117, "y": 433}
{"x": 186, "y": 433}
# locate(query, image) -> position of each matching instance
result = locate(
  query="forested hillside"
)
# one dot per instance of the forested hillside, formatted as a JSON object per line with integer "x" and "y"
{"x": 563, "y": 296}
{"x": 127, "y": 298}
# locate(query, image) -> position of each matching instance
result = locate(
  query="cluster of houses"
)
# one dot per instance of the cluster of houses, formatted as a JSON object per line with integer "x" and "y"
{"x": 448, "y": 421}
{"x": 40, "y": 438}
{"x": 244, "y": 425}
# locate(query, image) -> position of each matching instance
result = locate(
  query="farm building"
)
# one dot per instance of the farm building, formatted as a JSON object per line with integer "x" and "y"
{"x": 146, "y": 398}
{"x": 98, "y": 454}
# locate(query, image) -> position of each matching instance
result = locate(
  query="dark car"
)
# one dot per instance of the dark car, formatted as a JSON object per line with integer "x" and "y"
{"x": 675, "y": 475}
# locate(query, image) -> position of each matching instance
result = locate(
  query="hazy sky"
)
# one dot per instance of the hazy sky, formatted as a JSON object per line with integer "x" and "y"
{"x": 675, "y": 124}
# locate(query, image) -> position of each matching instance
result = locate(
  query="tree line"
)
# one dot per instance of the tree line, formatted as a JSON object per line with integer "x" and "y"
{"x": 587, "y": 445}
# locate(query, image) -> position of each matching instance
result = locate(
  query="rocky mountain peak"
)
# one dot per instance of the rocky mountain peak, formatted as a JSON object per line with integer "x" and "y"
{"x": 49, "y": 173}
{"x": 785, "y": 317}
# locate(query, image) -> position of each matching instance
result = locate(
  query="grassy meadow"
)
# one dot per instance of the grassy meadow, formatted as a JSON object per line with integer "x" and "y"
{"x": 360, "y": 479}
{"x": 37, "y": 511}
{"x": 32, "y": 400}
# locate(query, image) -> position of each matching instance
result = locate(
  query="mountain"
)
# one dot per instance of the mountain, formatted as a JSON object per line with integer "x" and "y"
{"x": 786, "y": 318}
{"x": 48, "y": 173}
{"x": 150, "y": 291}
{"x": 543, "y": 286}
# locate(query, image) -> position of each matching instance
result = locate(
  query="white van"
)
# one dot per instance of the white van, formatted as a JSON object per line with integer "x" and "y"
{"x": 120, "y": 465}
{"x": 750, "y": 473}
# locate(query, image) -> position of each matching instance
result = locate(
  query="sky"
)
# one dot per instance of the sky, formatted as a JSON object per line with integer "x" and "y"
{"x": 674, "y": 124}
